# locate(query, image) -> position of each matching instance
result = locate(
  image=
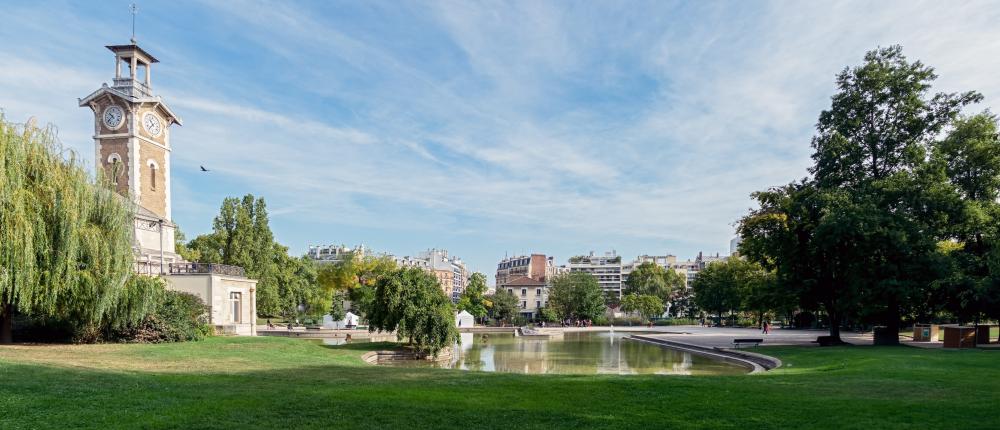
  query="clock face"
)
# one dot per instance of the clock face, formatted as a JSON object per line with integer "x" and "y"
{"x": 152, "y": 123}
{"x": 114, "y": 116}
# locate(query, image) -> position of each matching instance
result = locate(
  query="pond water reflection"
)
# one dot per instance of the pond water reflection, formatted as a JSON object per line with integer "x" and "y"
{"x": 577, "y": 353}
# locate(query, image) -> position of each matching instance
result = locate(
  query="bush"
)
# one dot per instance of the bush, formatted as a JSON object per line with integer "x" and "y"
{"x": 677, "y": 321}
{"x": 178, "y": 317}
{"x": 626, "y": 321}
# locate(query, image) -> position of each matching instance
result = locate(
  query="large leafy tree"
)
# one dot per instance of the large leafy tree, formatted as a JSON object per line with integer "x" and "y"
{"x": 860, "y": 236}
{"x": 970, "y": 157}
{"x": 718, "y": 287}
{"x": 410, "y": 302}
{"x": 647, "y": 306}
{"x": 651, "y": 279}
{"x": 242, "y": 237}
{"x": 472, "y": 299}
{"x": 503, "y": 305}
{"x": 65, "y": 240}
{"x": 576, "y": 295}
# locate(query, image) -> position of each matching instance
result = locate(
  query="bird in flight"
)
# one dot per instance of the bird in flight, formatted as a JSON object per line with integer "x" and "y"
{"x": 203, "y": 169}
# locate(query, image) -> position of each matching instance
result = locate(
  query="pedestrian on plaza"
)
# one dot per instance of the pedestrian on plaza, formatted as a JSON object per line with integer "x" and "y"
{"x": 767, "y": 327}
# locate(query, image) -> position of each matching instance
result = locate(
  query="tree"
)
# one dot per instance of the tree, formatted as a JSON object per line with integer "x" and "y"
{"x": 410, "y": 302}
{"x": 647, "y": 306}
{"x": 576, "y": 295}
{"x": 242, "y": 237}
{"x": 859, "y": 237}
{"x": 181, "y": 247}
{"x": 503, "y": 305}
{"x": 970, "y": 157}
{"x": 717, "y": 288}
{"x": 357, "y": 275}
{"x": 651, "y": 279}
{"x": 65, "y": 239}
{"x": 471, "y": 300}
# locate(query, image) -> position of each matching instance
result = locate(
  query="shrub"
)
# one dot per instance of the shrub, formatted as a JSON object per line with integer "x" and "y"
{"x": 178, "y": 317}
{"x": 677, "y": 321}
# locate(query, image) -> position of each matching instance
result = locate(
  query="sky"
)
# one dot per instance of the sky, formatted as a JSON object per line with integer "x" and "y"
{"x": 485, "y": 128}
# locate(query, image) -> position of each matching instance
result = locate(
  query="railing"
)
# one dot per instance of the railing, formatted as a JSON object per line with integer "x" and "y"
{"x": 132, "y": 87}
{"x": 147, "y": 268}
{"x": 205, "y": 268}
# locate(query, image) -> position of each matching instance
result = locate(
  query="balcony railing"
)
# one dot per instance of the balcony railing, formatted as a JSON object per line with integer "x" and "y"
{"x": 205, "y": 268}
{"x": 132, "y": 87}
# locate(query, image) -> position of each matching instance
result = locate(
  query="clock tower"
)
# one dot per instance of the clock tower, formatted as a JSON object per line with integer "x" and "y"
{"x": 132, "y": 148}
{"x": 132, "y": 131}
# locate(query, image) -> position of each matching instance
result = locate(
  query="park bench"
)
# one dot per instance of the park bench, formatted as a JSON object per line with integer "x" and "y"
{"x": 755, "y": 342}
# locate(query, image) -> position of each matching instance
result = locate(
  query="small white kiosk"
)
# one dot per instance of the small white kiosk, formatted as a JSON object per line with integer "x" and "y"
{"x": 464, "y": 319}
{"x": 350, "y": 321}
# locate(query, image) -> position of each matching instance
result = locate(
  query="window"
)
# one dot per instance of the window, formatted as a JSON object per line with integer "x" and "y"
{"x": 152, "y": 174}
{"x": 538, "y": 305}
{"x": 538, "y": 291}
{"x": 524, "y": 305}
{"x": 236, "y": 306}
{"x": 510, "y": 291}
{"x": 524, "y": 292}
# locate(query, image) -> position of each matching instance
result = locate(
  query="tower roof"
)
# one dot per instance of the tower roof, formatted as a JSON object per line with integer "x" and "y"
{"x": 132, "y": 48}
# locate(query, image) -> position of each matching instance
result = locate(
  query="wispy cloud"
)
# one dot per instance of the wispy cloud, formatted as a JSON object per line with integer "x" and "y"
{"x": 487, "y": 127}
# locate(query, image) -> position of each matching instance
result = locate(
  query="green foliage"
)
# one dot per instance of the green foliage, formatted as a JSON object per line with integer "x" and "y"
{"x": 242, "y": 237}
{"x": 860, "y": 237}
{"x": 737, "y": 285}
{"x": 647, "y": 306}
{"x": 410, "y": 302}
{"x": 472, "y": 299}
{"x": 503, "y": 305}
{"x": 651, "y": 279}
{"x": 576, "y": 295}
{"x": 182, "y": 249}
{"x": 547, "y": 314}
{"x": 65, "y": 240}
{"x": 337, "y": 311}
{"x": 178, "y": 317}
{"x": 356, "y": 275}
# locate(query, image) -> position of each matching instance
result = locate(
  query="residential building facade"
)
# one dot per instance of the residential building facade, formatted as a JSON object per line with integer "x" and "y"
{"x": 334, "y": 253}
{"x": 607, "y": 269}
{"x": 532, "y": 294}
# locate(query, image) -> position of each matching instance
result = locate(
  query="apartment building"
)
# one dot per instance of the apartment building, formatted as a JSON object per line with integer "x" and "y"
{"x": 450, "y": 271}
{"x": 333, "y": 253}
{"x": 607, "y": 269}
{"x": 532, "y": 293}
{"x": 535, "y": 266}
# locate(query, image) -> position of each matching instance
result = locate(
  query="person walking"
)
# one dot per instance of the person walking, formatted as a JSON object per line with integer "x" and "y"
{"x": 767, "y": 327}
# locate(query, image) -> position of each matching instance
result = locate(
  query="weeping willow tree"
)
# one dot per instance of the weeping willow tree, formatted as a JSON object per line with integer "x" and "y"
{"x": 65, "y": 239}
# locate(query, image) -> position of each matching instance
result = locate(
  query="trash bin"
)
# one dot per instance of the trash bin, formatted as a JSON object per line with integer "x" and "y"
{"x": 925, "y": 332}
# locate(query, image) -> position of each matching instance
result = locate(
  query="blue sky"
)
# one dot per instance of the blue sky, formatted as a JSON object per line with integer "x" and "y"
{"x": 485, "y": 128}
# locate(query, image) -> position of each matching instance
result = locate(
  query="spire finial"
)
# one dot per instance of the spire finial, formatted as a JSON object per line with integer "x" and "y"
{"x": 133, "y": 9}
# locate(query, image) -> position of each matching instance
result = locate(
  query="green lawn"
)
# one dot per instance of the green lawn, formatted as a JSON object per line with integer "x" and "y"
{"x": 290, "y": 383}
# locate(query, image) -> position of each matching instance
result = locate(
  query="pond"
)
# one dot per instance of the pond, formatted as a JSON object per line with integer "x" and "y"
{"x": 576, "y": 353}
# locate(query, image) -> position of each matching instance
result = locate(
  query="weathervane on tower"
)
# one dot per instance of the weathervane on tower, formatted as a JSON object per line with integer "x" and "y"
{"x": 133, "y": 9}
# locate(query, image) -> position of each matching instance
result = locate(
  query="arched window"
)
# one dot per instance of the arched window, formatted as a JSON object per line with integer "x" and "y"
{"x": 115, "y": 162}
{"x": 152, "y": 174}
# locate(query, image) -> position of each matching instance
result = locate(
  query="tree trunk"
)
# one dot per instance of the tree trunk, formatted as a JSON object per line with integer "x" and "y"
{"x": 889, "y": 335}
{"x": 834, "y": 319}
{"x": 7, "y": 324}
